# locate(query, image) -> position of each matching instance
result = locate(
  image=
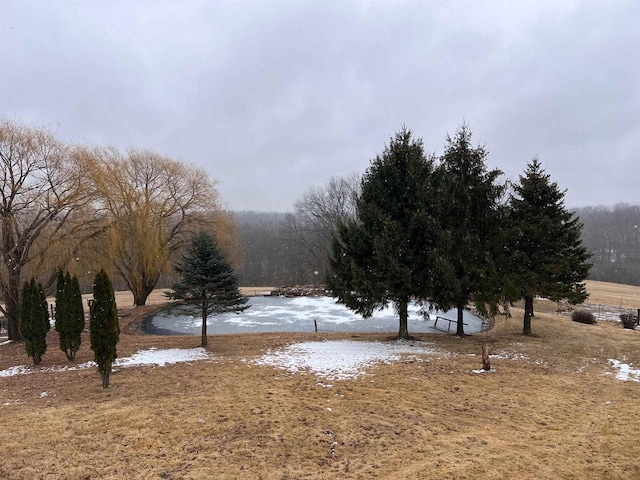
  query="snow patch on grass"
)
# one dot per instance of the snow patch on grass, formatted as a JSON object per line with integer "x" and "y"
{"x": 625, "y": 372}
{"x": 482, "y": 370}
{"x": 153, "y": 356}
{"x": 502, "y": 355}
{"x": 17, "y": 370}
{"x": 160, "y": 358}
{"x": 340, "y": 360}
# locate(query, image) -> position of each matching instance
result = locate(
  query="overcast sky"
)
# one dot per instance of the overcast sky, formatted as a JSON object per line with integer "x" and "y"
{"x": 274, "y": 97}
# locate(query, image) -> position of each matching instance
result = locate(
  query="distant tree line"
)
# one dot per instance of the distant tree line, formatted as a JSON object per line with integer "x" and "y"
{"x": 612, "y": 235}
{"x": 270, "y": 253}
{"x": 266, "y": 254}
{"x": 279, "y": 249}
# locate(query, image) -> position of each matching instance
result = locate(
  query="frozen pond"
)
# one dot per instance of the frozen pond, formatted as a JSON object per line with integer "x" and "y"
{"x": 280, "y": 314}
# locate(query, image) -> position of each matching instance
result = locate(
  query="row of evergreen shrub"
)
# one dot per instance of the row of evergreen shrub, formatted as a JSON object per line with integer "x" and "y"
{"x": 104, "y": 329}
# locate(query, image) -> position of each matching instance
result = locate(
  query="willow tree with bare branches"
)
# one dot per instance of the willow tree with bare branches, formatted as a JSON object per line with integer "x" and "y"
{"x": 152, "y": 206}
{"x": 42, "y": 194}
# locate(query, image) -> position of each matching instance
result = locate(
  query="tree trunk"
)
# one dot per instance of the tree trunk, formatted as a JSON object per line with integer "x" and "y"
{"x": 531, "y": 307}
{"x": 105, "y": 378}
{"x": 139, "y": 298}
{"x": 141, "y": 294}
{"x": 203, "y": 343}
{"x": 147, "y": 286}
{"x": 528, "y": 313}
{"x": 460, "y": 323}
{"x": 403, "y": 311}
{"x": 11, "y": 296}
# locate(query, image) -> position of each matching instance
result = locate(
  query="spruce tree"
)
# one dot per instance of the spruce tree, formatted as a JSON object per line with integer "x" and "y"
{"x": 470, "y": 216}
{"x": 385, "y": 255}
{"x": 208, "y": 284}
{"x": 545, "y": 250}
{"x": 104, "y": 330}
{"x": 69, "y": 313}
{"x": 34, "y": 320}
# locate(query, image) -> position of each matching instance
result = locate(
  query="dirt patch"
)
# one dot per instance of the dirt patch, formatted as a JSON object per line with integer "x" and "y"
{"x": 132, "y": 318}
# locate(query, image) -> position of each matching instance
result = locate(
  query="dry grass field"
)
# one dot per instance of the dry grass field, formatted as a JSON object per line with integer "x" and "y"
{"x": 552, "y": 409}
{"x": 613, "y": 294}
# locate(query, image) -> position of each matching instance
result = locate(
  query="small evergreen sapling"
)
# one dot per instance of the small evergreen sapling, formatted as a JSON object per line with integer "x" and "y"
{"x": 69, "y": 313}
{"x": 104, "y": 330}
{"x": 34, "y": 320}
{"x": 208, "y": 284}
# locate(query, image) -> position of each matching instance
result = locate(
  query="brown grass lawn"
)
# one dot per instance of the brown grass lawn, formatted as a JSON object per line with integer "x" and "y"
{"x": 549, "y": 411}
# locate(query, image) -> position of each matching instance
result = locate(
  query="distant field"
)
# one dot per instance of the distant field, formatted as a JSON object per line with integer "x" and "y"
{"x": 552, "y": 409}
{"x": 613, "y": 294}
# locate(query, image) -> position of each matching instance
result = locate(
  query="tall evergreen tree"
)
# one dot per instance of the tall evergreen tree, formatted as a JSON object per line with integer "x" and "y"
{"x": 470, "y": 216}
{"x": 34, "y": 320}
{"x": 385, "y": 255}
{"x": 208, "y": 284}
{"x": 104, "y": 330}
{"x": 545, "y": 251}
{"x": 69, "y": 313}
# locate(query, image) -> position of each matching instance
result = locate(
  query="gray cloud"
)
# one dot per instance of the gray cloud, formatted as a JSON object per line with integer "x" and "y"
{"x": 272, "y": 97}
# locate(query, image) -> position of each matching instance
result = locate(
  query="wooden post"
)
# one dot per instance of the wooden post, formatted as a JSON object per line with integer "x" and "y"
{"x": 638, "y": 317}
{"x": 486, "y": 361}
{"x": 315, "y": 324}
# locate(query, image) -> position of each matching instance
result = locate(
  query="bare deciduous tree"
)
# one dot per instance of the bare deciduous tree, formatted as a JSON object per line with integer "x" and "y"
{"x": 152, "y": 205}
{"x": 42, "y": 192}
{"x": 317, "y": 213}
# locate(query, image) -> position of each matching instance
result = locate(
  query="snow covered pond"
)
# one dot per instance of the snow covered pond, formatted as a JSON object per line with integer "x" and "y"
{"x": 278, "y": 314}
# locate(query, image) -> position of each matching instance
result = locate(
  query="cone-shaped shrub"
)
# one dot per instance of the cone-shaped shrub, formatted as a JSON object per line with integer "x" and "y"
{"x": 34, "y": 320}
{"x": 104, "y": 331}
{"x": 69, "y": 313}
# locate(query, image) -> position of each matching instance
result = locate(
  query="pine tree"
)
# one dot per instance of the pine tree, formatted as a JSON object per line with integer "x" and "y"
{"x": 470, "y": 216}
{"x": 69, "y": 313}
{"x": 545, "y": 249}
{"x": 385, "y": 255}
{"x": 34, "y": 320}
{"x": 208, "y": 284}
{"x": 104, "y": 330}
